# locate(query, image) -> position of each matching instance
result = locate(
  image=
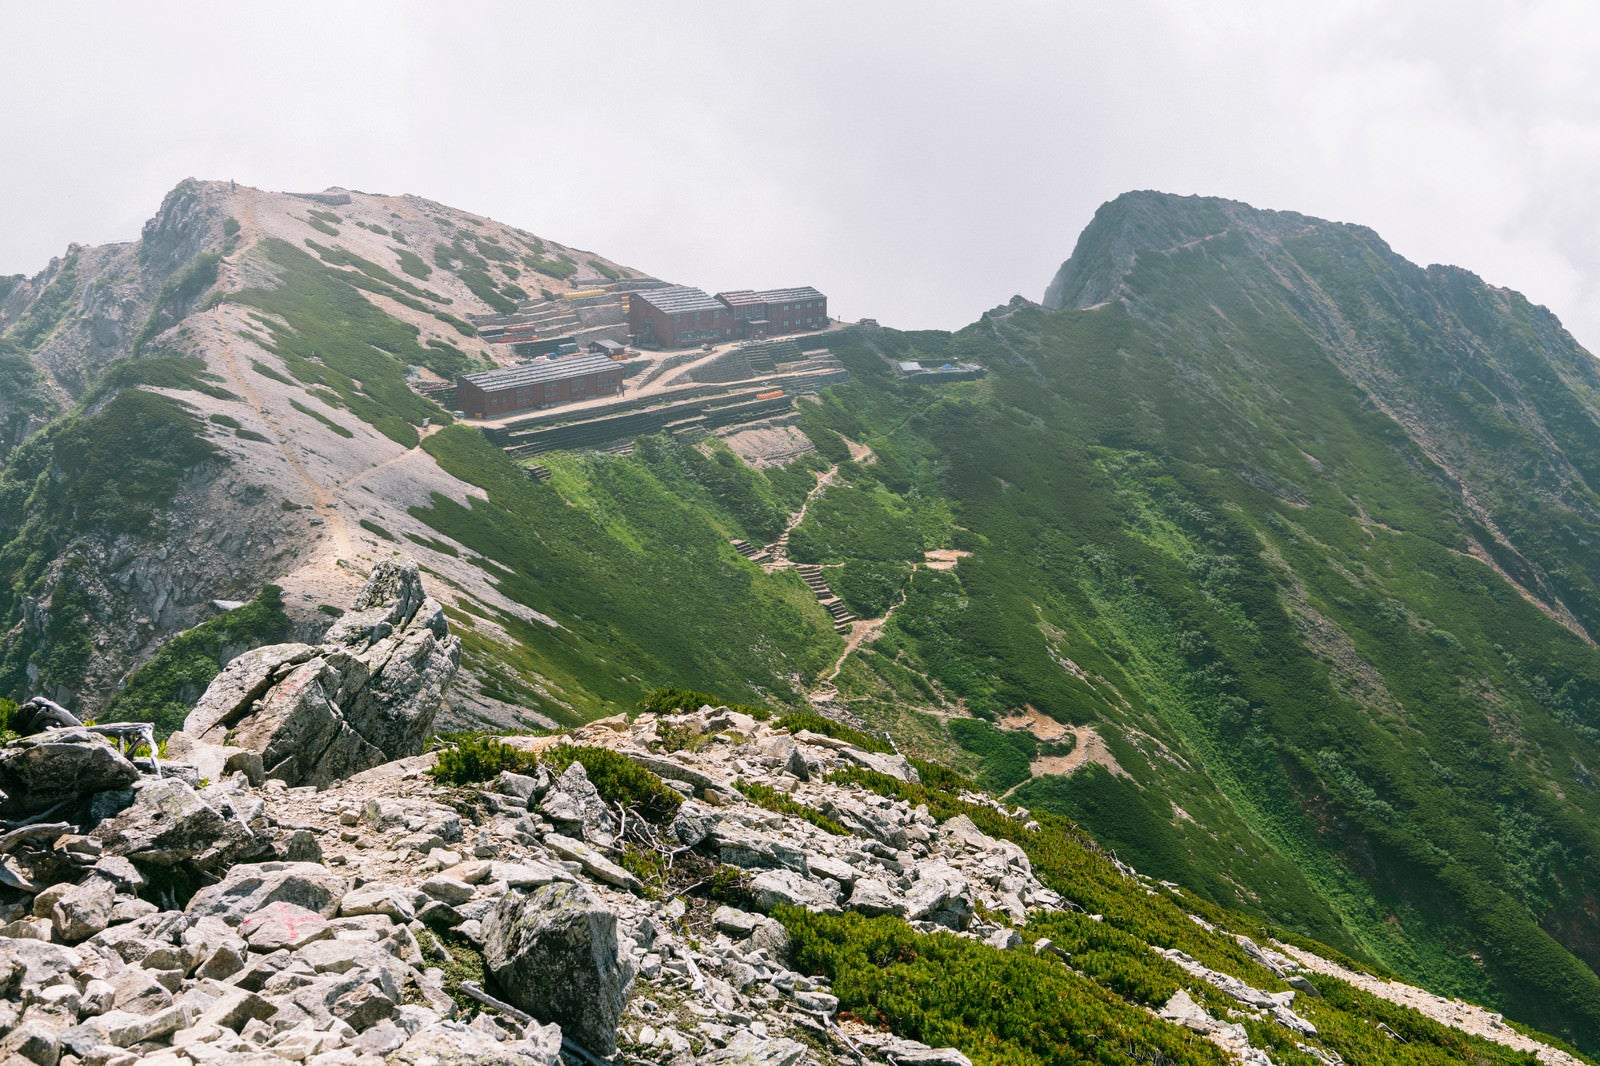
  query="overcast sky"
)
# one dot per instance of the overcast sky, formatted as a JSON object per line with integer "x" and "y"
{"x": 918, "y": 162}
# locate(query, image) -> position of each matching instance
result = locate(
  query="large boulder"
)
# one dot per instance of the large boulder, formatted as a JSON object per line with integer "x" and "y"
{"x": 40, "y": 771}
{"x": 367, "y": 695}
{"x": 169, "y": 823}
{"x": 556, "y": 955}
{"x": 940, "y": 894}
{"x": 249, "y": 887}
{"x": 575, "y": 806}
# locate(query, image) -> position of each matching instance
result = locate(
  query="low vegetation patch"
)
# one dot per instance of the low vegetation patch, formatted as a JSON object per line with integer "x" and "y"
{"x": 328, "y": 335}
{"x": 868, "y": 587}
{"x": 997, "y": 1006}
{"x": 412, "y": 263}
{"x": 619, "y": 780}
{"x": 1006, "y": 754}
{"x": 42, "y": 317}
{"x": 375, "y": 529}
{"x": 324, "y": 419}
{"x": 472, "y": 759}
{"x": 163, "y": 690}
{"x": 686, "y": 701}
{"x": 813, "y": 722}
{"x": 560, "y": 267}
{"x": 179, "y": 372}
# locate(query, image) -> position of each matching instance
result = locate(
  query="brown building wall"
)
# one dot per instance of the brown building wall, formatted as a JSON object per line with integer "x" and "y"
{"x": 641, "y": 315}
{"x": 680, "y": 329}
{"x": 492, "y": 403}
{"x": 797, "y": 316}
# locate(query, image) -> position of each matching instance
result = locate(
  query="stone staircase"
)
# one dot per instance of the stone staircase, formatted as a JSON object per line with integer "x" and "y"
{"x": 812, "y": 576}
{"x": 754, "y": 553}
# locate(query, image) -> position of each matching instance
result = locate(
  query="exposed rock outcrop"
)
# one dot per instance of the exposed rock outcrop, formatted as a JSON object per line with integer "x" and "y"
{"x": 170, "y": 823}
{"x": 562, "y": 929}
{"x": 59, "y": 765}
{"x": 368, "y": 694}
{"x": 462, "y": 925}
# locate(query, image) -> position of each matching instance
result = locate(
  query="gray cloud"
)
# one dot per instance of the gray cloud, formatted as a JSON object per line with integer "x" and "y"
{"x": 919, "y": 162}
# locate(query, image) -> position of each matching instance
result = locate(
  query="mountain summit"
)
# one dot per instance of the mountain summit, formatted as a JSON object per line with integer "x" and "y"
{"x": 1491, "y": 389}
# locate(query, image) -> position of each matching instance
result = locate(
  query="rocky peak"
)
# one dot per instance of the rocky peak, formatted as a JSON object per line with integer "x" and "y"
{"x": 368, "y": 694}
{"x": 188, "y": 223}
{"x": 1146, "y": 221}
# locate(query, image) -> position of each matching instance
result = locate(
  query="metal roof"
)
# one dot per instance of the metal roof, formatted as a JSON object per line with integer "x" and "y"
{"x": 804, "y": 292}
{"x": 570, "y": 366}
{"x": 677, "y": 299}
{"x": 751, "y": 298}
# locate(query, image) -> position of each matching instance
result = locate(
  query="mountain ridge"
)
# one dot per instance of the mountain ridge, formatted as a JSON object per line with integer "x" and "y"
{"x": 174, "y": 295}
{"x": 1291, "y": 533}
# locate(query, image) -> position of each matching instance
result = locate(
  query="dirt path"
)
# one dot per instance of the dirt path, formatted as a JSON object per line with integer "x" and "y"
{"x": 824, "y": 482}
{"x": 1467, "y": 1017}
{"x": 1088, "y": 747}
{"x": 943, "y": 558}
{"x": 321, "y": 497}
{"x": 862, "y": 630}
{"x": 242, "y": 379}
{"x": 341, "y": 541}
{"x": 423, "y": 433}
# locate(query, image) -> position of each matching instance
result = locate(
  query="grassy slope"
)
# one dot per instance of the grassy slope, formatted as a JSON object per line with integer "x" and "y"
{"x": 1411, "y": 785}
{"x": 1186, "y": 525}
{"x": 1203, "y": 535}
{"x": 631, "y": 556}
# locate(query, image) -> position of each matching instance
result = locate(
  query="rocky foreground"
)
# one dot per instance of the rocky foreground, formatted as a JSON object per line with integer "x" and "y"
{"x": 293, "y": 884}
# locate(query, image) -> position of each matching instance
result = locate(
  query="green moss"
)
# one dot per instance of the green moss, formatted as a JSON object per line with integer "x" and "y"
{"x": 461, "y": 962}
